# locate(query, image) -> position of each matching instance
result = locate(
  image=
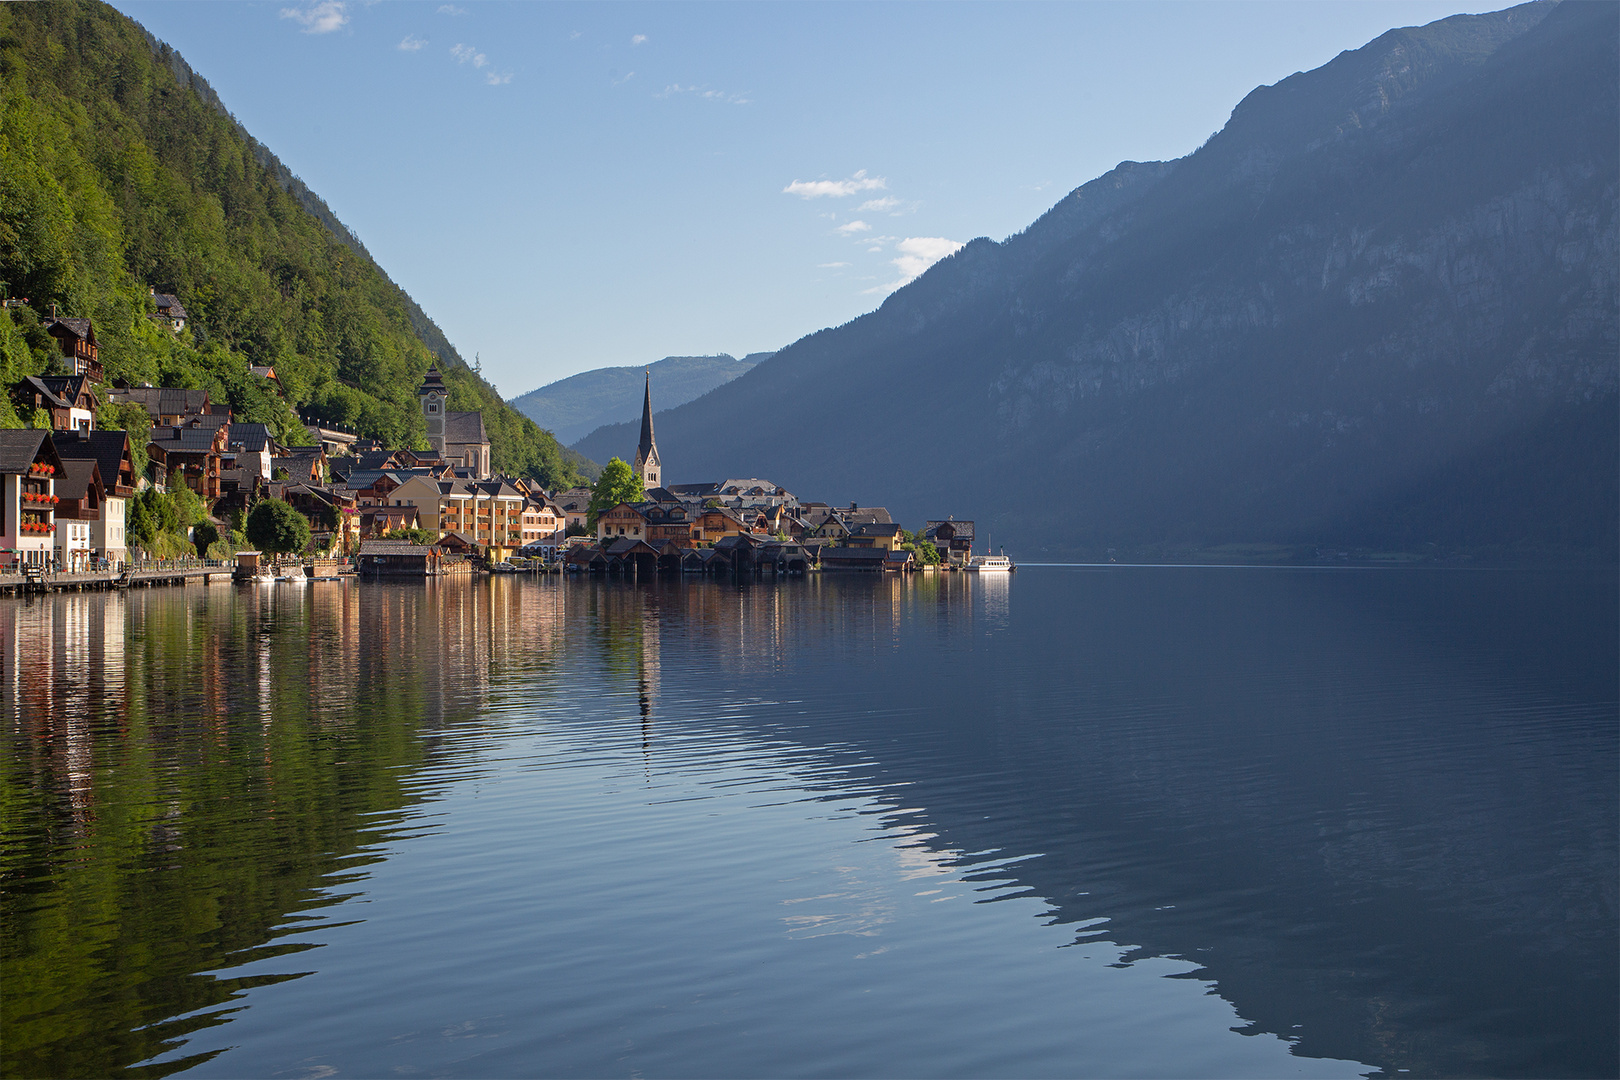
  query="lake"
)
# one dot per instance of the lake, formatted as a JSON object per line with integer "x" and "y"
{"x": 1085, "y": 821}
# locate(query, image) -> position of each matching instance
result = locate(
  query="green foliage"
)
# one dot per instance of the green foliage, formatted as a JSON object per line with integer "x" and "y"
{"x": 922, "y": 549}
{"x": 203, "y": 535}
{"x": 116, "y": 176}
{"x": 411, "y": 536}
{"x": 274, "y": 527}
{"x": 618, "y": 483}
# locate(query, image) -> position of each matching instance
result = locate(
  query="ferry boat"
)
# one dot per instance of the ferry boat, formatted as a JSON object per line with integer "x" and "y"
{"x": 991, "y": 564}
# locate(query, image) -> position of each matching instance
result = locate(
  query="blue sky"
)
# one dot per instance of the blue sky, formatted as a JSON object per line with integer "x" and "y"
{"x": 570, "y": 186}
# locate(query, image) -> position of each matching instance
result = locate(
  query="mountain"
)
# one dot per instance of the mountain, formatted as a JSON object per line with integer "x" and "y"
{"x": 1376, "y": 311}
{"x": 121, "y": 172}
{"x": 573, "y": 407}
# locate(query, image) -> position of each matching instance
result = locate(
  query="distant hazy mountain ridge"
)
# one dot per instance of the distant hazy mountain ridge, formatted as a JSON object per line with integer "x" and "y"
{"x": 1378, "y": 309}
{"x": 573, "y": 407}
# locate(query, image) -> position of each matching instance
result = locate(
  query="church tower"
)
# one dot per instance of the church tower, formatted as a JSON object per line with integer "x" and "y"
{"x": 648, "y": 466}
{"x": 434, "y": 396}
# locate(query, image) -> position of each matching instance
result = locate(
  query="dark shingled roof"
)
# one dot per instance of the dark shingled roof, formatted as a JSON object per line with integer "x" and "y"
{"x": 464, "y": 427}
{"x": 168, "y": 304}
{"x": 392, "y": 547}
{"x": 165, "y": 401}
{"x": 859, "y": 558}
{"x": 79, "y": 328}
{"x": 249, "y": 438}
{"x": 74, "y": 479}
{"x": 963, "y": 529}
{"x": 67, "y": 387}
{"x": 43, "y": 389}
{"x": 184, "y": 438}
{"x": 106, "y": 448}
{"x": 432, "y": 381}
{"x": 876, "y": 528}
{"x": 18, "y": 448}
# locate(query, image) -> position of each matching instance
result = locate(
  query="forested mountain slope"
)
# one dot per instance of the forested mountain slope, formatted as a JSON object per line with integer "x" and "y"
{"x": 573, "y": 407}
{"x": 120, "y": 172}
{"x": 1377, "y": 310}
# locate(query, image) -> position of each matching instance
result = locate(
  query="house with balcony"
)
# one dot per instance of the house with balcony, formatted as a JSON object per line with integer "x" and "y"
{"x": 69, "y": 399}
{"x": 29, "y": 466}
{"x": 77, "y": 340}
{"x": 80, "y": 496}
{"x": 110, "y": 450}
{"x": 193, "y": 453}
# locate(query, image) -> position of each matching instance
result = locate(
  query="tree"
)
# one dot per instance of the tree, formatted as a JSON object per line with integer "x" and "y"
{"x": 204, "y": 535}
{"x": 617, "y": 484}
{"x": 275, "y": 527}
{"x": 922, "y": 549}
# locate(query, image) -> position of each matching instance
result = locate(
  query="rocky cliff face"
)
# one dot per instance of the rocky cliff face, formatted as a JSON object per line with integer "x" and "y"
{"x": 1377, "y": 309}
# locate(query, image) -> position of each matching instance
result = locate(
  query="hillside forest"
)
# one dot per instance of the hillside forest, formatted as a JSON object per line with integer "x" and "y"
{"x": 120, "y": 173}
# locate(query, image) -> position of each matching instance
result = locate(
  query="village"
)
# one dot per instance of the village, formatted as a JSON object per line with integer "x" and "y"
{"x": 395, "y": 512}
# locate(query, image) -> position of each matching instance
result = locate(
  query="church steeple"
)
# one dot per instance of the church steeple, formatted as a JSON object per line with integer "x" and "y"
{"x": 647, "y": 463}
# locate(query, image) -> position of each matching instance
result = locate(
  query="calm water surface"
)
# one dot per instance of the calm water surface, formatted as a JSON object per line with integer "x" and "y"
{"x": 1123, "y": 822}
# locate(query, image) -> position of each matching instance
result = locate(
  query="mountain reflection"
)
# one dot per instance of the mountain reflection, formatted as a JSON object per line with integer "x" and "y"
{"x": 1378, "y": 810}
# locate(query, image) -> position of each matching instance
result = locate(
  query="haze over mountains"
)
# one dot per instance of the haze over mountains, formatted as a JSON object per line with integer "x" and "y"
{"x": 574, "y": 407}
{"x": 1376, "y": 310}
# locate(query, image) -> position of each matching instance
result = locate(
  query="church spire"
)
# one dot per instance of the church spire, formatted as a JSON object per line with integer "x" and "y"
{"x": 647, "y": 463}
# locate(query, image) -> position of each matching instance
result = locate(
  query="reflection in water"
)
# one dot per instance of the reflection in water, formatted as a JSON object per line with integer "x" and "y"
{"x": 689, "y": 827}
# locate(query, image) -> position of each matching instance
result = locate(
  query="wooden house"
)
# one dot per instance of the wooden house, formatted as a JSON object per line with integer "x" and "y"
{"x": 77, "y": 340}
{"x": 80, "y": 495}
{"x": 110, "y": 450}
{"x": 953, "y": 538}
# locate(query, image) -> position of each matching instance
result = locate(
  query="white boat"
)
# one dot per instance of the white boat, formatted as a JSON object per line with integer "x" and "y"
{"x": 991, "y": 564}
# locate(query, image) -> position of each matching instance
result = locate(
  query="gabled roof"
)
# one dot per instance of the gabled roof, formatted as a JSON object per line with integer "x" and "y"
{"x": 962, "y": 529}
{"x": 464, "y": 427}
{"x": 374, "y": 459}
{"x": 169, "y": 305}
{"x": 862, "y": 514}
{"x": 68, "y": 387}
{"x": 875, "y": 529}
{"x": 183, "y": 438}
{"x": 700, "y": 491}
{"x": 627, "y": 545}
{"x": 107, "y": 448}
{"x": 19, "y": 447}
{"x": 76, "y": 477}
{"x": 870, "y": 555}
{"x": 39, "y": 387}
{"x": 250, "y": 438}
{"x": 392, "y": 547}
{"x": 79, "y": 328}
{"x": 163, "y": 400}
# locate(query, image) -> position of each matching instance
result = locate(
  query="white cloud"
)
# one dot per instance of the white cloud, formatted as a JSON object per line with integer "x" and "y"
{"x": 451, "y": 9}
{"x": 816, "y": 189}
{"x": 917, "y": 254}
{"x": 321, "y": 18}
{"x": 831, "y": 266}
{"x": 412, "y": 43}
{"x": 638, "y": 39}
{"x": 878, "y": 206}
{"x": 701, "y": 92}
{"x": 466, "y": 54}
{"x": 497, "y": 80}
{"x": 575, "y": 35}
{"x": 853, "y": 227}
{"x": 627, "y": 78}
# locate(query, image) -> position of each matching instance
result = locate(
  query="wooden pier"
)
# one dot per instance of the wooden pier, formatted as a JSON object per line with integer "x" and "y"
{"x": 30, "y": 580}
